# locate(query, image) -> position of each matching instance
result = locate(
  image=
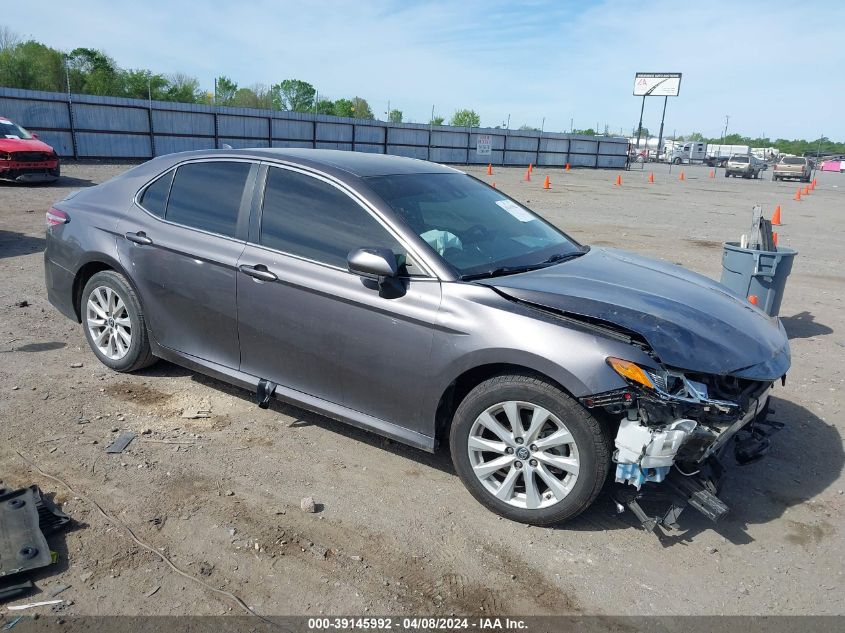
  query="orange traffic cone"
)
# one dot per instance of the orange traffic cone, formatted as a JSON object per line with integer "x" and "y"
{"x": 651, "y": 177}
{"x": 776, "y": 216}
{"x": 682, "y": 177}
{"x": 814, "y": 183}
{"x": 798, "y": 194}
{"x": 528, "y": 175}
{"x": 493, "y": 184}
{"x": 531, "y": 167}
{"x": 775, "y": 238}
{"x": 490, "y": 170}
{"x": 618, "y": 182}
{"x": 547, "y": 184}
{"x": 712, "y": 173}
{"x": 567, "y": 167}
{"x": 806, "y": 190}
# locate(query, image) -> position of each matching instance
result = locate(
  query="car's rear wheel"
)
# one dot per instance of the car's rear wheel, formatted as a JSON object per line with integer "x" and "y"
{"x": 528, "y": 451}
{"x": 114, "y": 322}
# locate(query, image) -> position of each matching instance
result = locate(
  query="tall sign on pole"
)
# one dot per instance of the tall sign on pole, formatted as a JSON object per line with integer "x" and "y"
{"x": 656, "y": 85}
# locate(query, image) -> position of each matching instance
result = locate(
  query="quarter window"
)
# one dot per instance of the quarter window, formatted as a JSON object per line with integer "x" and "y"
{"x": 207, "y": 195}
{"x": 154, "y": 198}
{"x": 310, "y": 218}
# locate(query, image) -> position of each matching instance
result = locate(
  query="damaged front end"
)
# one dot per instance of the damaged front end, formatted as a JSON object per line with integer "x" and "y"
{"x": 675, "y": 427}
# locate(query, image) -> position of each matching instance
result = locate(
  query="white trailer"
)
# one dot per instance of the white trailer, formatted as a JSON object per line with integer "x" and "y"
{"x": 711, "y": 154}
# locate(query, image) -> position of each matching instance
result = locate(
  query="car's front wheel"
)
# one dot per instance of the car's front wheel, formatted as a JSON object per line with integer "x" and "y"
{"x": 114, "y": 322}
{"x": 528, "y": 451}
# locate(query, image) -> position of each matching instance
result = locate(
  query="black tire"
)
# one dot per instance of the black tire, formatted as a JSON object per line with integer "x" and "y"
{"x": 726, "y": 174}
{"x": 677, "y": 161}
{"x": 590, "y": 436}
{"x": 57, "y": 172}
{"x": 139, "y": 354}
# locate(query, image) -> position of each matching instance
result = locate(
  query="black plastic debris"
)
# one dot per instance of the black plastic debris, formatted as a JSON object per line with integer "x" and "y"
{"x": 26, "y": 516}
{"x": 22, "y": 543}
{"x": 8, "y": 592}
{"x": 121, "y": 442}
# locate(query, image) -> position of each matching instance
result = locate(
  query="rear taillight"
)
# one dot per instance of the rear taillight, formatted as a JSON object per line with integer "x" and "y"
{"x": 57, "y": 216}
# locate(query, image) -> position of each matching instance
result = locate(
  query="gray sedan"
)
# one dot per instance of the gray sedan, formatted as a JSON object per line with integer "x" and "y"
{"x": 413, "y": 300}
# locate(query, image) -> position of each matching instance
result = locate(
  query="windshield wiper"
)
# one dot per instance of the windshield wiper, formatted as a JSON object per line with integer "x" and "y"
{"x": 498, "y": 272}
{"x": 562, "y": 257}
{"x": 509, "y": 270}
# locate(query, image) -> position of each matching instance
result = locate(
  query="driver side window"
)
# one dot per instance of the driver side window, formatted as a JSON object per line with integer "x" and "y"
{"x": 308, "y": 217}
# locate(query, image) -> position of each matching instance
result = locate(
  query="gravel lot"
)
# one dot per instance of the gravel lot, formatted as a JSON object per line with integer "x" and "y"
{"x": 396, "y": 532}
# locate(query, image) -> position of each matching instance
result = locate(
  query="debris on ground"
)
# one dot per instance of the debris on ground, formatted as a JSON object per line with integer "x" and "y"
{"x": 196, "y": 414}
{"x": 76, "y": 365}
{"x": 120, "y": 443}
{"x": 43, "y": 603}
{"x": 307, "y": 505}
{"x": 13, "y": 591}
{"x": 22, "y": 304}
{"x": 26, "y": 519}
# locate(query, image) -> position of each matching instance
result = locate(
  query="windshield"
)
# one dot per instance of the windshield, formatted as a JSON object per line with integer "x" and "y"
{"x": 739, "y": 159}
{"x": 792, "y": 160}
{"x": 12, "y": 130}
{"x": 476, "y": 229}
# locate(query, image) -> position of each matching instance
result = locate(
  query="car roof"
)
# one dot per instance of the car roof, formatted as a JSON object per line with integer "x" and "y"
{"x": 361, "y": 164}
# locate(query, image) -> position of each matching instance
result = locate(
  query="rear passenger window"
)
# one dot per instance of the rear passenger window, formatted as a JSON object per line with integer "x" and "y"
{"x": 309, "y": 217}
{"x": 208, "y": 195}
{"x": 154, "y": 198}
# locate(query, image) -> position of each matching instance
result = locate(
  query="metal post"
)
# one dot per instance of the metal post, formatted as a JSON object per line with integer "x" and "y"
{"x": 430, "y": 130}
{"x": 70, "y": 113}
{"x": 150, "y": 117}
{"x": 216, "y": 129}
{"x": 469, "y": 140}
{"x": 660, "y": 136}
{"x": 640, "y": 126}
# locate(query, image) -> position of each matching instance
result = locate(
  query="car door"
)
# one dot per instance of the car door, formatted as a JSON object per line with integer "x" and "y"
{"x": 181, "y": 247}
{"x": 307, "y": 323}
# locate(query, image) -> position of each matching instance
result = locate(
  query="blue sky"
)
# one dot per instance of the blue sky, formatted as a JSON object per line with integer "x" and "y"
{"x": 776, "y": 68}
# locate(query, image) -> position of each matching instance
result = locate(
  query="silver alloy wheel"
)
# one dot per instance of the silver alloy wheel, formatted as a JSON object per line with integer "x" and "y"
{"x": 523, "y": 455}
{"x": 108, "y": 322}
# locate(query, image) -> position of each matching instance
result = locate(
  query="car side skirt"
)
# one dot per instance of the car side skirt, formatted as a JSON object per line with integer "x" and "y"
{"x": 298, "y": 398}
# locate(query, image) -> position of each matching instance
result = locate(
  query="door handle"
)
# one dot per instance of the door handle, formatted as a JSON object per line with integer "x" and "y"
{"x": 258, "y": 271}
{"x": 139, "y": 238}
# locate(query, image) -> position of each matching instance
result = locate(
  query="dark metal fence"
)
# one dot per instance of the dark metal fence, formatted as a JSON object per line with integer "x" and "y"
{"x": 87, "y": 126}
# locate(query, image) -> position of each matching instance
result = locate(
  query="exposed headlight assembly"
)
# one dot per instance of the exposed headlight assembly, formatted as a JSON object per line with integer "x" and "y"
{"x": 667, "y": 385}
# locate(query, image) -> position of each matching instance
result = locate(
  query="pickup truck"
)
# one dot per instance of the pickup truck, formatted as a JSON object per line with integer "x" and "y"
{"x": 797, "y": 167}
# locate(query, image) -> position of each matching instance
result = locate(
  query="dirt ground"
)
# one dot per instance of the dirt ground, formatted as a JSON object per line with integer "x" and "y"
{"x": 396, "y": 532}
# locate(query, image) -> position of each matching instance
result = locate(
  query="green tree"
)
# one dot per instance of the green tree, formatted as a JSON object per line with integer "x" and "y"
{"x": 33, "y": 66}
{"x": 395, "y": 116}
{"x": 224, "y": 90}
{"x": 361, "y": 109}
{"x": 529, "y": 128}
{"x": 344, "y": 107}
{"x": 643, "y": 133}
{"x": 183, "y": 88}
{"x": 324, "y": 106}
{"x": 143, "y": 84}
{"x": 294, "y": 95}
{"x": 93, "y": 72}
{"x": 437, "y": 120}
{"x": 586, "y": 132}
{"x": 465, "y": 118}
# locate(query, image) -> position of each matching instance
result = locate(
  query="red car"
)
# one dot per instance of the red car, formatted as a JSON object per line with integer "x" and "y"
{"x": 23, "y": 158}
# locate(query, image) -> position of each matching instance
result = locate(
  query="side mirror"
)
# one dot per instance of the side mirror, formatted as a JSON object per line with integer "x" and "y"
{"x": 34, "y": 135}
{"x": 373, "y": 263}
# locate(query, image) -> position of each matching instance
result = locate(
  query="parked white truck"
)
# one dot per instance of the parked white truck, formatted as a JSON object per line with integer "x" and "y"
{"x": 711, "y": 154}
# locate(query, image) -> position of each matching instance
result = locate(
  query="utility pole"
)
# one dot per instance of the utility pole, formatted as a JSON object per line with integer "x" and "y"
{"x": 508, "y": 124}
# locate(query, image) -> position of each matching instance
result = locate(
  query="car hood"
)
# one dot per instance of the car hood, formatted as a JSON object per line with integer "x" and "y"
{"x": 23, "y": 145}
{"x": 691, "y": 322}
